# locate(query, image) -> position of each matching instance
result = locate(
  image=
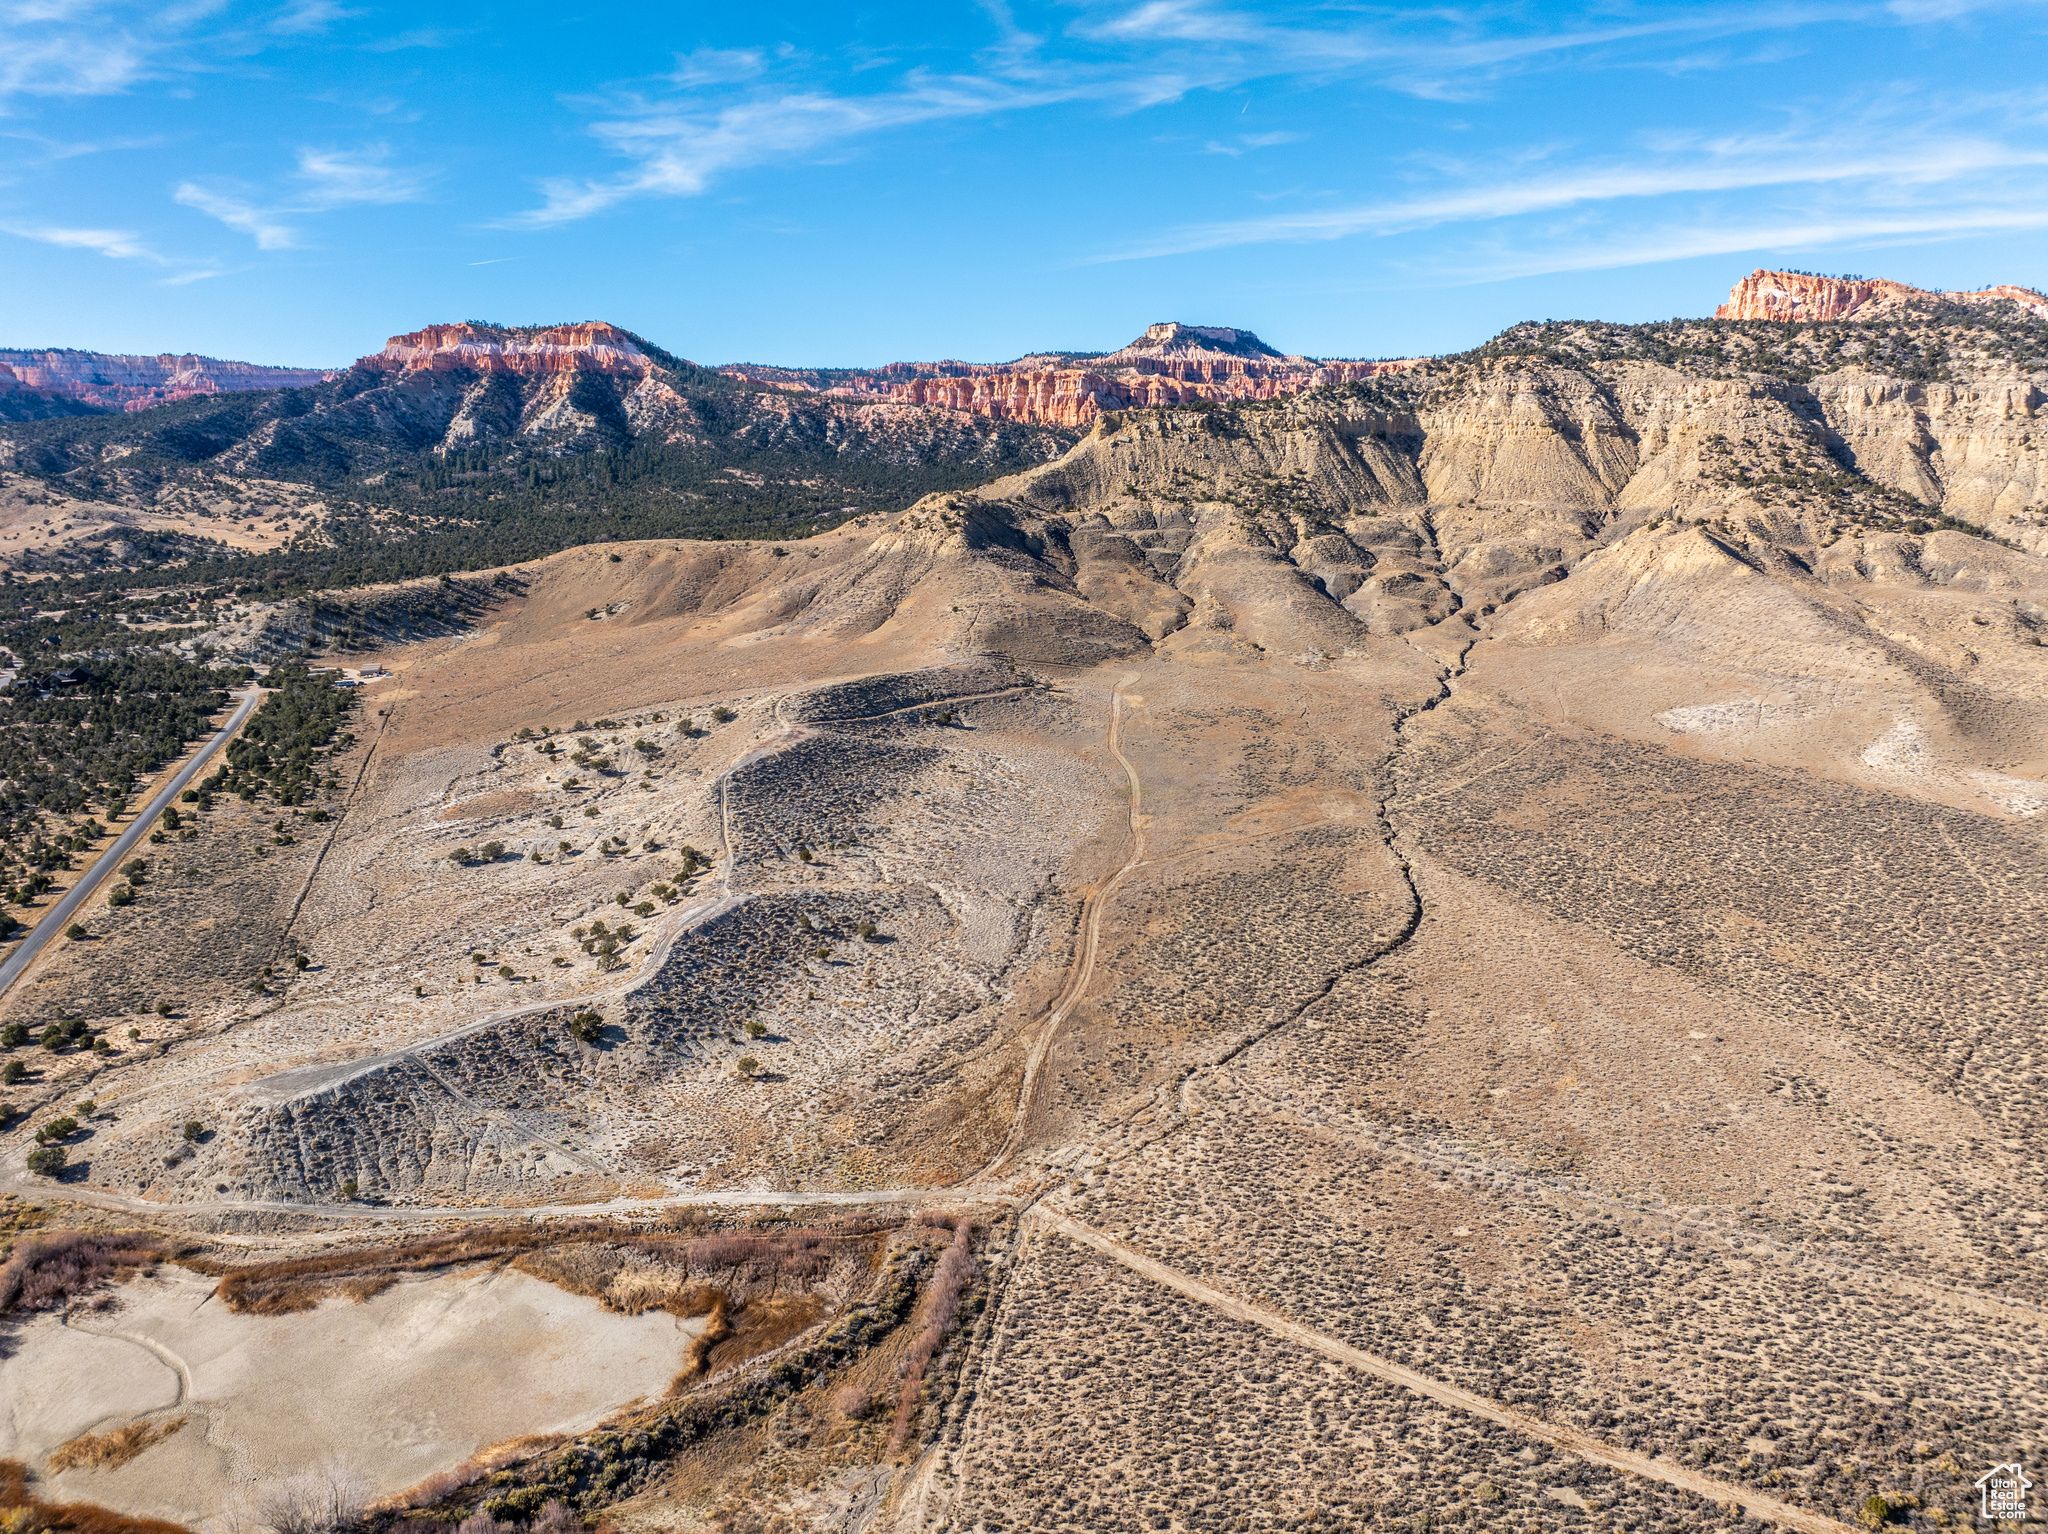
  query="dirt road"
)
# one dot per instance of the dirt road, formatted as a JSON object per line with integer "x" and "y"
{"x": 1570, "y": 1440}
{"x": 1083, "y": 970}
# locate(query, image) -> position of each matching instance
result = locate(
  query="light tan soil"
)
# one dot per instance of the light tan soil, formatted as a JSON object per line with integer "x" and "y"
{"x": 391, "y": 1389}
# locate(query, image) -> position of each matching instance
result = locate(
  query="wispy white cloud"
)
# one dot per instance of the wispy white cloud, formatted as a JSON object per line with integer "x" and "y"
{"x": 58, "y": 149}
{"x": 717, "y": 66}
{"x": 265, "y": 226}
{"x": 1741, "y": 164}
{"x": 334, "y": 178}
{"x": 326, "y": 179}
{"x": 40, "y": 59}
{"x": 63, "y": 48}
{"x": 1245, "y": 143}
{"x": 681, "y": 150}
{"x": 308, "y": 17}
{"x": 419, "y": 37}
{"x": 730, "y": 112}
{"x": 1686, "y": 240}
{"x": 115, "y": 244}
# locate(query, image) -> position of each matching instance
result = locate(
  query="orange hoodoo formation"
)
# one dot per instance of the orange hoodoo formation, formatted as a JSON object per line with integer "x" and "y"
{"x": 1171, "y": 364}
{"x": 592, "y": 347}
{"x": 1767, "y": 295}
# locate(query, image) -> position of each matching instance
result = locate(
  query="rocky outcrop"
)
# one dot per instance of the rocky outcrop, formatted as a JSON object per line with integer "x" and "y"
{"x": 1304, "y": 526}
{"x": 1170, "y": 364}
{"x": 521, "y": 351}
{"x": 1805, "y": 296}
{"x": 110, "y": 381}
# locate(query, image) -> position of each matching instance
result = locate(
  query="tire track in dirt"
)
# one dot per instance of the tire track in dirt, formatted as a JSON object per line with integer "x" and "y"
{"x": 1083, "y": 969}
{"x": 1570, "y": 1440}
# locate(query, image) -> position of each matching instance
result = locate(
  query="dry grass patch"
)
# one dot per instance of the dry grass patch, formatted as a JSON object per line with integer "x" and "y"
{"x": 111, "y": 1450}
{"x": 21, "y": 1512}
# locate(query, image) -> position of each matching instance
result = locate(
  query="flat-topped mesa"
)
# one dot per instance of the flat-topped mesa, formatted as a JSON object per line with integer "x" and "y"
{"x": 118, "y": 381}
{"x": 526, "y": 350}
{"x": 1170, "y": 364}
{"x": 1768, "y": 295}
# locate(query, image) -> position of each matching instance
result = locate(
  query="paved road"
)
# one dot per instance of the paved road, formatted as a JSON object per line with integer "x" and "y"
{"x": 59, "y": 916}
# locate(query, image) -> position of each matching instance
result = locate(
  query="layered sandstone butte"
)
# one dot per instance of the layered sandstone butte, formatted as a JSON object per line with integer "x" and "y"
{"x": 1170, "y": 364}
{"x": 108, "y": 381}
{"x": 1768, "y": 295}
{"x": 525, "y": 351}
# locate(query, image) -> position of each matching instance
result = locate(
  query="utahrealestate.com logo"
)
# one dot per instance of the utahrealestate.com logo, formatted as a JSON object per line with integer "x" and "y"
{"x": 2004, "y": 1490}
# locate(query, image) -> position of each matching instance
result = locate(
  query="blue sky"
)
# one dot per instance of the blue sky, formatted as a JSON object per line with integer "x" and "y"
{"x": 852, "y": 183}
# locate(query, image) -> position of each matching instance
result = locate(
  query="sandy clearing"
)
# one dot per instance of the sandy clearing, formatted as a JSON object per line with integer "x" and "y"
{"x": 396, "y": 1388}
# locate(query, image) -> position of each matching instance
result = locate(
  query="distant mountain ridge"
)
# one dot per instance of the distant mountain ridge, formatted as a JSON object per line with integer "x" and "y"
{"x": 1171, "y": 363}
{"x": 36, "y": 383}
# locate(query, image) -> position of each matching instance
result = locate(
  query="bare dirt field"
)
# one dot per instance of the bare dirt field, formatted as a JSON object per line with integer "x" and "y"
{"x": 262, "y": 1399}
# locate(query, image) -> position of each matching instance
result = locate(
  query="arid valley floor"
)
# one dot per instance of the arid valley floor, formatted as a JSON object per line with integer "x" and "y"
{"x": 1464, "y": 962}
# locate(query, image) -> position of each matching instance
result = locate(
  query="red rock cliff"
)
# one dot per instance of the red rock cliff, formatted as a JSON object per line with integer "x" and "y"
{"x": 593, "y": 347}
{"x": 115, "y": 381}
{"x": 1768, "y": 295}
{"x": 1169, "y": 364}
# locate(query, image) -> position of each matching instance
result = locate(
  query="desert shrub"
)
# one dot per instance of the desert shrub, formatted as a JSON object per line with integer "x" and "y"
{"x": 45, "y": 1271}
{"x": 555, "y": 1518}
{"x": 748, "y": 1065}
{"x": 587, "y": 1026}
{"x": 852, "y": 1401}
{"x": 47, "y": 1161}
{"x": 954, "y": 1272}
{"x": 317, "y": 1502}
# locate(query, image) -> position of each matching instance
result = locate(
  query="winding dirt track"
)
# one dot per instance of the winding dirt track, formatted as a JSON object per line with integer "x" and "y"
{"x": 1570, "y": 1440}
{"x": 1083, "y": 969}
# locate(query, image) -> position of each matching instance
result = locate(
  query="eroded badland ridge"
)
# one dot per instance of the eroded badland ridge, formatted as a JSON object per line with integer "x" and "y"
{"x": 1458, "y": 947}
